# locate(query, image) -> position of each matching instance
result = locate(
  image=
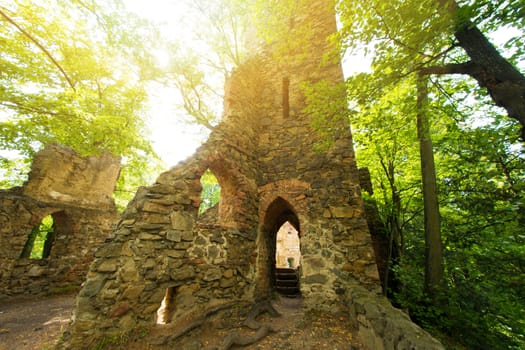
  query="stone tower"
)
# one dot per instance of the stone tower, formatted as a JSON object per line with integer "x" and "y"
{"x": 265, "y": 157}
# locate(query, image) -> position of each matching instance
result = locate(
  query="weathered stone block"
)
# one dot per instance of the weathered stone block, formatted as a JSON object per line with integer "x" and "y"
{"x": 92, "y": 286}
{"x": 107, "y": 266}
{"x": 109, "y": 294}
{"x": 156, "y": 207}
{"x": 181, "y": 221}
{"x": 157, "y": 219}
{"x": 187, "y": 235}
{"x": 182, "y": 273}
{"x": 212, "y": 274}
{"x": 150, "y": 237}
{"x": 317, "y": 278}
{"x": 227, "y": 282}
{"x": 36, "y": 271}
{"x": 133, "y": 292}
{"x": 128, "y": 272}
{"x": 176, "y": 253}
{"x": 174, "y": 236}
{"x": 342, "y": 212}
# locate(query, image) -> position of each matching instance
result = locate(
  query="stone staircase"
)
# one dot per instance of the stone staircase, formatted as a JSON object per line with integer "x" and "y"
{"x": 287, "y": 282}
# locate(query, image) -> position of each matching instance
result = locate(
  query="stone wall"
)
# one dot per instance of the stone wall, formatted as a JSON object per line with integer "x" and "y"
{"x": 380, "y": 326}
{"x": 82, "y": 220}
{"x": 166, "y": 264}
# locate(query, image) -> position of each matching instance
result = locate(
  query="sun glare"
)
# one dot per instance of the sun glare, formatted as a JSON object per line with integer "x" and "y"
{"x": 172, "y": 137}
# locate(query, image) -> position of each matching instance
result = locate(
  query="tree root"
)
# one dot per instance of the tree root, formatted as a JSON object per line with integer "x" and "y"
{"x": 256, "y": 310}
{"x": 186, "y": 327}
{"x": 236, "y": 338}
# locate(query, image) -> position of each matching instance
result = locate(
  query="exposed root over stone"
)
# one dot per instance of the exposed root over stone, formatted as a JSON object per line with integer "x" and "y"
{"x": 237, "y": 338}
{"x": 184, "y": 327}
{"x": 242, "y": 339}
{"x": 256, "y": 310}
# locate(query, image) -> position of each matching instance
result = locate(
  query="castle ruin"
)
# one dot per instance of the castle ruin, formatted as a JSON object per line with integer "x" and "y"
{"x": 73, "y": 196}
{"x": 271, "y": 171}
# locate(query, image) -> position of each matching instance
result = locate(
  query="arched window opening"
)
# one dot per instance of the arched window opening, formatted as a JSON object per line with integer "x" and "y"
{"x": 40, "y": 240}
{"x": 211, "y": 191}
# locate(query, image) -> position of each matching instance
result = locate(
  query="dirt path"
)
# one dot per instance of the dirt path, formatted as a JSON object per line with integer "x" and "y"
{"x": 34, "y": 324}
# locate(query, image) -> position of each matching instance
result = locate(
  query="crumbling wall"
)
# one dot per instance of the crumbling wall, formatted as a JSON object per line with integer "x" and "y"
{"x": 380, "y": 326}
{"x": 76, "y": 192}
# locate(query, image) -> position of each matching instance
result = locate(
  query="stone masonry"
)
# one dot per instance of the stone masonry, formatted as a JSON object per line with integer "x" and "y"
{"x": 265, "y": 158}
{"x": 76, "y": 192}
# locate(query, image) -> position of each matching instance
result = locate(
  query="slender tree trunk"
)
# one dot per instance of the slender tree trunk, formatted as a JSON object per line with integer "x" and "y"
{"x": 433, "y": 249}
{"x": 394, "y": 246}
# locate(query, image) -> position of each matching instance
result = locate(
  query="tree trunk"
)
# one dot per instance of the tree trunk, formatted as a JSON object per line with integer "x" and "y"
{"x": 433, "y": 250}
{"x": 505, "y": 84}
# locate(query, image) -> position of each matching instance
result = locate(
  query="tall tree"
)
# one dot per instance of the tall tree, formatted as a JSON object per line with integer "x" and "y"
{"x": 442, "y": 37}
{"x": 433, "y": 253}
{"x": 74, "y": 73}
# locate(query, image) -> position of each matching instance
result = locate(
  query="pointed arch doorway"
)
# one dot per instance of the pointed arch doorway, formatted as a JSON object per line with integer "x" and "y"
{"x": 279, "y": 257}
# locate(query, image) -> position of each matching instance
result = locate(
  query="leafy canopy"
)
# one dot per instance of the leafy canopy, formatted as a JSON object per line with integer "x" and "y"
{"x": 74, "y": 73}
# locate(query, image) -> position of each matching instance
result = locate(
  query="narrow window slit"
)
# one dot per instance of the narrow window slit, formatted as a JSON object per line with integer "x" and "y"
{"x": 286, "y": 97}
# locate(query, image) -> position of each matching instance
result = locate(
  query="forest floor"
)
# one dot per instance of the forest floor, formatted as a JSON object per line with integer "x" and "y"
{"x": 38, "y": 324}
{"x": 29, "y": 324}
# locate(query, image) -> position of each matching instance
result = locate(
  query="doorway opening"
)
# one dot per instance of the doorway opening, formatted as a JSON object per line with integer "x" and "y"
{"x": 287, "y": 260}
{"x": 279, "y": 251}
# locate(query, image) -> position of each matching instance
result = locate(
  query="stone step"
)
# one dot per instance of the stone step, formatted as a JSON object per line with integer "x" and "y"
{"x": 286, "y": 282}
{"x": 286, "y": 277}
{"x": 286, "y": 274}
{"x": 288, "y": 291}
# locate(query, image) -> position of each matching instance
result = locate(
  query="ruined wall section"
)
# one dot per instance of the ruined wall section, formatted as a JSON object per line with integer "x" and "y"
{"x": 164, "y": 253}
{"x": 60, "y": 175}
{"x": 81, "y": 221}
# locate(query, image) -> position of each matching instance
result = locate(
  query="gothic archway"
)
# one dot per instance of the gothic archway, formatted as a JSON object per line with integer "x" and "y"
{"x": 277, "y": 214}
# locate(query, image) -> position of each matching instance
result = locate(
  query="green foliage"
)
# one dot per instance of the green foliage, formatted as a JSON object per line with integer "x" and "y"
{"x": 481, "y": 171}
{"x": 326, "y": 103}
{"x": 479, "y": 160}
{"x": 73, "y": 73}
{"x": 202, "y": 58}
{"x": 13, "y": 170}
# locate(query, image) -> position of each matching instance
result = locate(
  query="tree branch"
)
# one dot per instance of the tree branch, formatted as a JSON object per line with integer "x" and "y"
{"x": 40, "y": 46}
{"x": 468, "y": 68}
